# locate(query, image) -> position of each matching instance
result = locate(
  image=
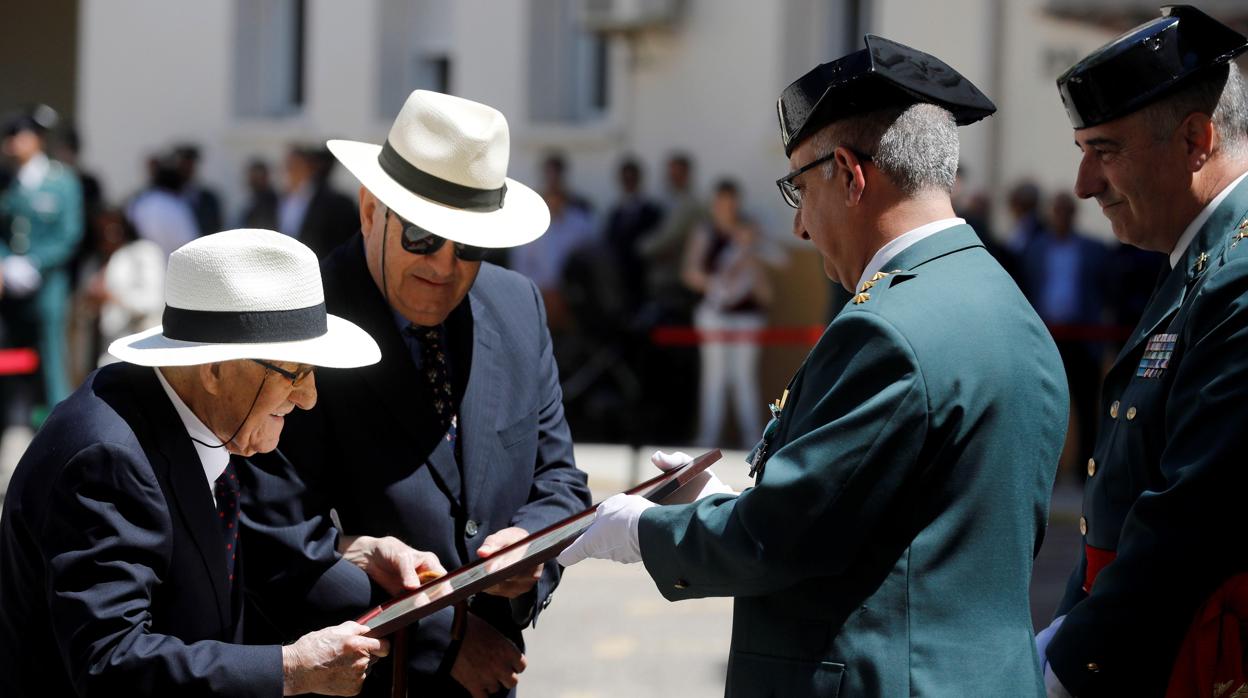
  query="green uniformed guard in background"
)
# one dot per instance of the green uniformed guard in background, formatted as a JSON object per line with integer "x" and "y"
{"x": 1161, "y": 117}
{"x": 903, "y": 488}
{"x": 40, "y": 226}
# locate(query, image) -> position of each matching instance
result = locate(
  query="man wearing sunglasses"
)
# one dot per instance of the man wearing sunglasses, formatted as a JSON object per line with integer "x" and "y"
{"x": 455, "y": 441}
{"x": 903, "y": 487}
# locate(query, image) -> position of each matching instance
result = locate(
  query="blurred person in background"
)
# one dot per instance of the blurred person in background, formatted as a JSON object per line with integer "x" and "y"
{"x": 43, "y": 223}
{"x": 260, "y": 210}
{"x": 204, "y": 202}
{"x": 670, "y": 370}
{"x": 127, "y": 286}
{"x": 545, "y": 259}
{"x": 312, "y": 211}
{"x": 66, "y": 147}
{"x": 555, "y": 180}
{"x": 725, "y": 263}
{"x": 159, "y": 212}
{"x": 1063, "y": 273}
{"x": 1026, "y": 222}
{"x": 633, "y": 218}
{"x": 663, "y": 251}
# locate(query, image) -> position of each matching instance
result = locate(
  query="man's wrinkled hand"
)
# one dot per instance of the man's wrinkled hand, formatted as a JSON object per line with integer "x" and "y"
{"x": 487, "y": 661}
{"x": 612, "y": 535}
{"x": 704, "y": 484}
{"x": 524, "y": 580}
{"x": 332, "y": 662}
{"x": 393, "y": 564}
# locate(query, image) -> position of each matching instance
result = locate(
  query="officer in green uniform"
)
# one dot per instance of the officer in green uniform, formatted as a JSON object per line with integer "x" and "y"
{"x": 42, "y": 215}
{"x": 903, "y": 489}
{"x": 1161, "y": 117}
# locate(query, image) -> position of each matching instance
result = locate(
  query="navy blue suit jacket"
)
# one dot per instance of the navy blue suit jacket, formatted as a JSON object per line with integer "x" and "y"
{"x": 369, "y": 449}
{"x": 112, "y": 563}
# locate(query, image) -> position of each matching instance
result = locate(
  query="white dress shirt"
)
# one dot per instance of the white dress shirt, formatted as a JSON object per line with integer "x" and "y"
{"x": 213, "y": 460}
{"x": 1192, "y": 228}
{"x": 894, "y": 247}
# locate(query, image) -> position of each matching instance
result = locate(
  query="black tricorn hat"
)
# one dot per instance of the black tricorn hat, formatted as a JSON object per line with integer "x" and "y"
{"x": 884, "y": 74}
{"x": 1145, "y": 64}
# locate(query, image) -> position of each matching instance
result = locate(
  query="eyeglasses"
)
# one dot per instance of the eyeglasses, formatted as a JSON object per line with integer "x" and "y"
{"x": 295, "y": 377}
{"x": 419, "y": 241}
{"x": 790, "y": 191}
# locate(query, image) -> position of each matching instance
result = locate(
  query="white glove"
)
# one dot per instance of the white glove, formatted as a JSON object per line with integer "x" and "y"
{"x": 1053, "y": 687}
{"x": 704, "y": 484}
{"x": 612, "y": 535}
{"x": 1044, "y": 637}
{"x": 21, "y": 278}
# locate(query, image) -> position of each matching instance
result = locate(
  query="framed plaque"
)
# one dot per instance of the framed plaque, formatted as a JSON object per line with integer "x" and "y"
{"x": 522, "y": 555}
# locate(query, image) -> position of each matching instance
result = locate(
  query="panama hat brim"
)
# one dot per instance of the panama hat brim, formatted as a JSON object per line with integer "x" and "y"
{"x": 344, "y": 345}
{"x": 522, "y": 218}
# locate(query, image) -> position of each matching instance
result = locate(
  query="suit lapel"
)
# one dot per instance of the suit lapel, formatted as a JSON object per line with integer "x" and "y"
{"x": 185, "y": 474}
{"x": 481, "y": 399}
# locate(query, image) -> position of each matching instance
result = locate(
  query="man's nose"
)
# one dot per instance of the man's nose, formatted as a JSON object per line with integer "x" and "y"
{"x": 304, "y": 394}
{"x": 1089, "y": 181}
{"x": 798, "y": 229}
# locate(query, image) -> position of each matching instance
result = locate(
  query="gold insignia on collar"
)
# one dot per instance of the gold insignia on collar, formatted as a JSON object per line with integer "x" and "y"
{"x": 1242, "y": 234}
{"x": 1243, "y": 225}
{"x": 862, "y": 298}
{"x": 866, "y": 286}
{"x": 1201, "y": 261}
{"x": 879, "y": 275}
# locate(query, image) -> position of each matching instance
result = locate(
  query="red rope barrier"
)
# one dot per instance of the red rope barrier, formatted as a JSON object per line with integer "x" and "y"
{"x": 18, "y": 362}
{"x": 808, "y": 335}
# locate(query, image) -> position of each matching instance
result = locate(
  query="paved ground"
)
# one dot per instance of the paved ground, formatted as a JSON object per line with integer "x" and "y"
{"x": 609, "y": 634}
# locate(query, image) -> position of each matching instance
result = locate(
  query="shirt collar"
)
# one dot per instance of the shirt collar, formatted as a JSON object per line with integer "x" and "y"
{"x": 32, "y": 173}
{"x": 895, "y": 246}
{"x": 213, "y": 460}
{"x": 1194, "y": 227}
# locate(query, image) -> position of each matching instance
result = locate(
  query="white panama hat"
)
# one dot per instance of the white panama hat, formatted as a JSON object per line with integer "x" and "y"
{"x": 444, "y": 168}
{"x": 246, "y": 294}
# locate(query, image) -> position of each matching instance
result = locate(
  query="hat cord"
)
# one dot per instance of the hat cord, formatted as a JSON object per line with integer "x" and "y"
{"x": 254, "y": 400}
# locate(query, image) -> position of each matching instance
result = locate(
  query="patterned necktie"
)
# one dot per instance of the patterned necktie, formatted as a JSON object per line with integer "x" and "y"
{"x": 226, "y": 492}
{"x": 436, "y": 370}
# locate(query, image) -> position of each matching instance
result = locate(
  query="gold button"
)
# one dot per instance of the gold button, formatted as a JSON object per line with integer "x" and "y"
{"x": 681, "y": 584}
{"x": 1113, "y": 410}
{"x": 1094, "y": 667}
{"x": 1083, "y": 525}
{"x": 1130, "y": 413}
{"x": 1091, "y": 467}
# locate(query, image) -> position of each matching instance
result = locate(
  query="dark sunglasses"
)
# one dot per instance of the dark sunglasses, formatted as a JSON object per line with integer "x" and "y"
{"x": 419, "y": 241}
{"x": 295, "y": 377}
{"x": 790, "y": 191}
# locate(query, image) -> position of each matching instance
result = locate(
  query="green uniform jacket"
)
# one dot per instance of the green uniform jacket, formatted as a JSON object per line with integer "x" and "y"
{"x": 1169, "y": 473}
{"x": 886, "y": 548}
{"x": 45, "y": 224}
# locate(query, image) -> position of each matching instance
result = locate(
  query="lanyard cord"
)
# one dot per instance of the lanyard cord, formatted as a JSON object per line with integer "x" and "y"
{"x": 254, "y": 400}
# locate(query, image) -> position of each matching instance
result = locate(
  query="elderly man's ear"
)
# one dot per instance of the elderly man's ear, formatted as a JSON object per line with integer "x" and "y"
{"x": 213, "y": 377}
{"x": 368, "y": 209}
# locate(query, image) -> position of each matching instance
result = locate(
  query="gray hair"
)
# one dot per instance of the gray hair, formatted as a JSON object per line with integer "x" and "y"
{"x": 916, "y": 147}
{"x": 1221, "y": 94}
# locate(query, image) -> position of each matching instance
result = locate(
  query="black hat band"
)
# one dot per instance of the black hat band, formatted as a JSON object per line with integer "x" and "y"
{"x": 252, "y": 327}
{"x": 435, "y": 188}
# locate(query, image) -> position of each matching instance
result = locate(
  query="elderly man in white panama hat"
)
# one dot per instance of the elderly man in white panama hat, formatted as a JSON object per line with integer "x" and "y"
{"x": 455, "y": 441}
{"x": 120, "y": 571}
